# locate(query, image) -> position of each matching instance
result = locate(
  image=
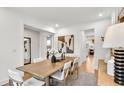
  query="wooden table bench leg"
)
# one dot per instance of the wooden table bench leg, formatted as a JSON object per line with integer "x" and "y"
{"x": 47, "y": 80}
{"x": 10, "y": 83}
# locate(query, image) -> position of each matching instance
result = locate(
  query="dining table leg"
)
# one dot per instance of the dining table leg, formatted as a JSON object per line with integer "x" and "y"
{"x": 47, "y": 80}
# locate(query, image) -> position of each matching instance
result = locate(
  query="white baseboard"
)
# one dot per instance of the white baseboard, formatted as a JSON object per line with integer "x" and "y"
{"x": 3, "y": 82}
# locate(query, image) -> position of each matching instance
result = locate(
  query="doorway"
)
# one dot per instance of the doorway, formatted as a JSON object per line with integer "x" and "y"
{"x": 49, "y": 44}
{"x": 90, "y": 46}
{"x": 27, "y": 50}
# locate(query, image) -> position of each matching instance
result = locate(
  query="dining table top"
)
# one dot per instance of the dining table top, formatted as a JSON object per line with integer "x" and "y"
{"x": 44, "y": 68}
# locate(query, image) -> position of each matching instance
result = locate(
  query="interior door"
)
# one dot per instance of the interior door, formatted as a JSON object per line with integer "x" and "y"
{"x": 27, "y": 50}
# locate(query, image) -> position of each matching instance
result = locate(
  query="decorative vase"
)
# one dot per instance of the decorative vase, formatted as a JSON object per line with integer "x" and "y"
{"x": 53, "y": 59}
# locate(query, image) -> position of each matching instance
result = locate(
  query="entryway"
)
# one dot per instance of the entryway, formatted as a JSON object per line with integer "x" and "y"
{"x": 90, "y": 43}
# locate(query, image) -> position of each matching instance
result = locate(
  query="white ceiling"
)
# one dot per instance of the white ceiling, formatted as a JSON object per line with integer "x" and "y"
{"x": 65, "y": 15}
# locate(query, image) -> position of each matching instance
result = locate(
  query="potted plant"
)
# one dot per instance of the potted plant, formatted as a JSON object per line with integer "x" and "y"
{"x": 53, "y": 52}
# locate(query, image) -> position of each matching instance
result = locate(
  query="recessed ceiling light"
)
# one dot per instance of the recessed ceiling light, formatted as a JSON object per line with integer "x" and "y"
{"x": 56, "y": 25}
{"x": 100, "y": 15}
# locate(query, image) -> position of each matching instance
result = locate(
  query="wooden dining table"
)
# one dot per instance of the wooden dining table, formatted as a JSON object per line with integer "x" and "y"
{"x": 44, "y": 69}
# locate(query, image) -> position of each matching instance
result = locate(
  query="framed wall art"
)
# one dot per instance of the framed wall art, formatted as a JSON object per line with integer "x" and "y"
{"x": 66, "y": 43}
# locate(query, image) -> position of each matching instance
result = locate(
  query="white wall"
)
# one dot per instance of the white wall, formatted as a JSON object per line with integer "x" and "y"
{"x": 89, "y": 32}
{"x": 11, "y": 39}
{"x": 43, "y": 45}
{"x": 35, "y": 42}
{"x": 80, "y": 39}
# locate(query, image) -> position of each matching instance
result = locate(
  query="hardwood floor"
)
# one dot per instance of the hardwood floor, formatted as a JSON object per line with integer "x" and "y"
{"x": 103, "y": 78}
{"x": 88, "y": 65}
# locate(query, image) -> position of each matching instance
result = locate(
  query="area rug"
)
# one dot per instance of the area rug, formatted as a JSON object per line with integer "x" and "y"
{"x": 84, "y": 79}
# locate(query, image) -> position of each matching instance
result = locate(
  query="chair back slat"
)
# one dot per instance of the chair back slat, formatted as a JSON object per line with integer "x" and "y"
{"x": 67, "y": 65}
{"x": 15, "y": 78}
{"x": 75, "y": 63}
{"x": 66, "y": 69}
{"x": 76, "y": 60}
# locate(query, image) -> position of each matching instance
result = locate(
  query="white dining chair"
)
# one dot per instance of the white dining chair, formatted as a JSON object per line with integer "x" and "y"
{"x": 61, "y": 76}
{"x": 39, "y": 59}
{"x": 17, "y": 80}
{"x": 75, "y": 67}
